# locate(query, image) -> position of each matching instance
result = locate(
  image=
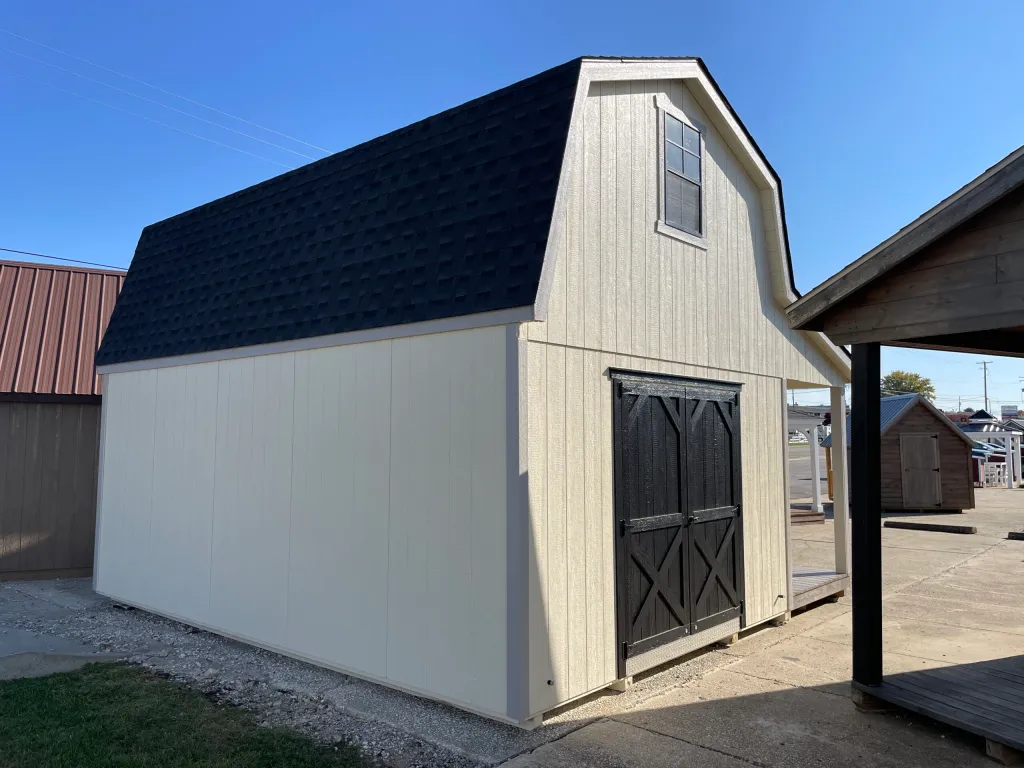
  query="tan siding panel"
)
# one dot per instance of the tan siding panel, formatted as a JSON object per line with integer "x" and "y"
{"x": 345, "y": 505}
{"x": 556, "y": 551}
{"x": 643, "y": 293}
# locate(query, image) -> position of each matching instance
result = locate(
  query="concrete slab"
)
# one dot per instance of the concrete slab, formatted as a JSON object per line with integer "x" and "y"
{"x": 618, "y": 745}
{"x": 895, "y": 538}
{"x": 947, "y": 590}
{"x": 761, "y": 638}
{"x": 43, "y": 664}
{"x": 30, "y": 654}
{"x": 929, "y": 639}
{"x": 774, "y": 724}
{"x": 809, "y": 662}
{"x": 18, "y": 641}
{"x": 961, "y": 613}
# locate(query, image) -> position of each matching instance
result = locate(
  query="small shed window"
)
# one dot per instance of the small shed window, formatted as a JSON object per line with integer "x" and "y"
{"x": 682, "y": 176}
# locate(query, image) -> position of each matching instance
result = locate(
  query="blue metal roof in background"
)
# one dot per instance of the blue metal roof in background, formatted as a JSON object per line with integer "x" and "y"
{"x": 889, "y": 410}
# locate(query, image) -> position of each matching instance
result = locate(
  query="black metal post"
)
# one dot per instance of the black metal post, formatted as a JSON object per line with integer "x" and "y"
{"x": 866, "y": 513}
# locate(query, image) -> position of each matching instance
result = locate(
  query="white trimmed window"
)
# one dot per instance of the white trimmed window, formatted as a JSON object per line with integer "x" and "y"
{"x": 682, "y": 176}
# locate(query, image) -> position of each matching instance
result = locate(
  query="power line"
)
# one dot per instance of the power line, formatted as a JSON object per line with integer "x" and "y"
{"x": 164, "y": 90}
{"x": 157, "y": 103}
{"x": 60, "y": 258}
{"x": 148, "y": 119}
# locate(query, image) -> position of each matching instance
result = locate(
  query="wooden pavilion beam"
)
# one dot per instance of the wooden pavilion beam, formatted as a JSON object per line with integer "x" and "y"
{"x": 866, "y": 487}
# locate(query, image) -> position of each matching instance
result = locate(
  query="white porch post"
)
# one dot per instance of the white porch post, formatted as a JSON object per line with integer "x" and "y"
{"x": 1020, "y": 466}
{"x": 1008, "y": 445}
{"x": 840, "y": 494}
{"x": 812, "y": 438}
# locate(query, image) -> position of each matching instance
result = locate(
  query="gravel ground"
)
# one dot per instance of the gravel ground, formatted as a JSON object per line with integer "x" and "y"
{"x": 395, "y": 728}
{"x": 278, "y": 690}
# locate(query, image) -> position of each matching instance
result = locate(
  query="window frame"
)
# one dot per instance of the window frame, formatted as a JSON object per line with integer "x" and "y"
{"x": 699, "y": 240}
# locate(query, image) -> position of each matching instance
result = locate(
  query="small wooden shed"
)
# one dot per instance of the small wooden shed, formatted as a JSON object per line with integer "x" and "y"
{"x": 926, "y": 458}
{"x": 51, "y": 321}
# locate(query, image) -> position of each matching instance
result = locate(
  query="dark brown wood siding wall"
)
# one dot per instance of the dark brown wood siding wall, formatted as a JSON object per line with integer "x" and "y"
{"x": 954, "y": 460}
{"x": 48, "y": 468}
{"x": 968, "y": 280}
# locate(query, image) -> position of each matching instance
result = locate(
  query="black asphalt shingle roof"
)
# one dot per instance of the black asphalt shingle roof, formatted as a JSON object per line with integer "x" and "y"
{"x": 445, "y": 217}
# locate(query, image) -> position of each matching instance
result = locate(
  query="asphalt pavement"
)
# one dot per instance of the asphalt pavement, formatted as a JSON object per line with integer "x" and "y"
{"x": 800, "y": 472}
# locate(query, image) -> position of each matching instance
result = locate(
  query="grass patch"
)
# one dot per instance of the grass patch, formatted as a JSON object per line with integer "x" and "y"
{"x": 114, "y": 715}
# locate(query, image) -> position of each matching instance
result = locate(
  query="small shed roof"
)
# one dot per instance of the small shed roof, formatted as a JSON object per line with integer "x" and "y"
{"x": 51, "y": 321}
{"x": 894, "y": 408}
{"x": 982, "y": 427}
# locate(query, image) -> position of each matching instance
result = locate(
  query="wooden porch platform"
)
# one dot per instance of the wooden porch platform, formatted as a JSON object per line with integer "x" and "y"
{"x": 985, "y": 698}
{"x": 812, "y": 584}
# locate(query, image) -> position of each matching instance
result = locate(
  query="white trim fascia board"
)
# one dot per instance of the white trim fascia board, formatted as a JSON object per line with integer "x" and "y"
{"x": 104, "y": 410}
{"x": 689, "y": 70}
{"x": 440, "y": 325}
{"x": 904, "y": 231}
{"x": 556, "y": 231}
{"x": 517, "y": 527}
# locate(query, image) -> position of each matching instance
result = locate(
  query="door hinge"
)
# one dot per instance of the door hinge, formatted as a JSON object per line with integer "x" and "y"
{"x": 625, "y": 650}
{"x": 622, "y": 527}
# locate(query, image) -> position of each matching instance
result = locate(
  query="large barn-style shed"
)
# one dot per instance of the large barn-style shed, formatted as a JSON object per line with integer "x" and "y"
{"x": 926, "y": 458}
{"x": 490, "y": 409}
{"x": 51, "y": 321}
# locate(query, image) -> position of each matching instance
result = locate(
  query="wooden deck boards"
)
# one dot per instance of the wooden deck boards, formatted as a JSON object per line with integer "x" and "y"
{"x": 811, "y": 584}
{"x": 986, "y": 698}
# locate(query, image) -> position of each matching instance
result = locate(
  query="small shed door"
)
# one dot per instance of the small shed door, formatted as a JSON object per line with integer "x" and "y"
{"x": 922, "y": 473}
{"x": 677, "y": 504}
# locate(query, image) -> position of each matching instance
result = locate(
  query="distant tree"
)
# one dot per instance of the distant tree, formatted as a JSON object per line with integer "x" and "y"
{"x": 968, "y": 409}
{"x": 905, "y": 383}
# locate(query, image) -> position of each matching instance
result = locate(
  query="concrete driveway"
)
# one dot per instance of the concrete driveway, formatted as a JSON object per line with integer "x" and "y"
{"x": 780, "y": 697}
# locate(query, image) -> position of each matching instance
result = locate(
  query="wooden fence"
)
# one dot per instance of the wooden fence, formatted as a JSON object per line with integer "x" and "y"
{"x": 48, "y": 465}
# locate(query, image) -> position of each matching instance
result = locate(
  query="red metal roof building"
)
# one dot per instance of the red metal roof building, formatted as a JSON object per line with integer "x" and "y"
{"x": 51, "y": 321}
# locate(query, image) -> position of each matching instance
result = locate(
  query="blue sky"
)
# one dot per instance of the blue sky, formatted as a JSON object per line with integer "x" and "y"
{"x": 870, "y": 115}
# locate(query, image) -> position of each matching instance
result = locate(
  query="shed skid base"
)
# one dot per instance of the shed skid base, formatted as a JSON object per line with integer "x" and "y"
{"x": 865, "y": 702}
{"x": 1003, "y": 754}
{"x": 622, "y": 685}
{"x": 534, "y": 722}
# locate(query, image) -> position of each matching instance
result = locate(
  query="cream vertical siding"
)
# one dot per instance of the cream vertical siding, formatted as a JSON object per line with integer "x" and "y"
{"x": 572, "y": 561}
{"x": 620, "y": 286}
{"x": 626, "y": 296}
{"x": 346, "y": 505}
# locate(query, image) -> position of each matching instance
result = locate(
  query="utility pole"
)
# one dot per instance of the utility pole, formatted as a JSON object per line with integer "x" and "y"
{"x": 984, "y": 373}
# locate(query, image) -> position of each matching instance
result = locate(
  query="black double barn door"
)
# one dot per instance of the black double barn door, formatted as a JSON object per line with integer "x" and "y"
{"x": 679, "y": 550}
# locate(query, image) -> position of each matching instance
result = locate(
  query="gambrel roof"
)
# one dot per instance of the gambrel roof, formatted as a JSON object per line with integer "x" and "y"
{"x": 447, "y": 218}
